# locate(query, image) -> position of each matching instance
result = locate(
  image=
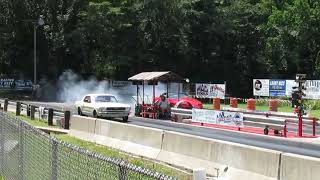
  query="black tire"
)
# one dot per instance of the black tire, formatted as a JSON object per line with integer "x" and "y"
{"x": 79, "y": 112}
{"x": 125, "y": 119}
{"x": 95, "y": 115}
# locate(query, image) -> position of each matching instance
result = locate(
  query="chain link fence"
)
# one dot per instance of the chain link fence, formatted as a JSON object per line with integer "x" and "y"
{"x": 28, "y": 153}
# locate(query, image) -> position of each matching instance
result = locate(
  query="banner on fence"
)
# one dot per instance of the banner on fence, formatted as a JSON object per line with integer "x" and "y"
{"x": 277, "y": 88}
{"x": 13, "y": 84}
{"x": 210, "y": 90}
{"x": 217, "y": 117}
{"x": 6, "y": 83}
{"x": 312, "y": 89}
{"x": 281, "y": 88}
{"x": 261, "y": 87}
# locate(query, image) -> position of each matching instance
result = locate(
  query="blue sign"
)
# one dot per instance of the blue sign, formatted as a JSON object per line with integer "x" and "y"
{"x": 15, "y": 85}
{"x": 277, "y": 87}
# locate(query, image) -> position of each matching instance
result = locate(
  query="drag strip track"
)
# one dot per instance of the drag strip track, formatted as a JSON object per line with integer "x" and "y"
{"x": 274, "y": 143}
{"x": 268, "y": 142}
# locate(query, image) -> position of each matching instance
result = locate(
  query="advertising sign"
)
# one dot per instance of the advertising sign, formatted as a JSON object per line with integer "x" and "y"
{"x": 313, "y": 89}
{"x": 217, "y": 117}
{"x": 261, "y": 87}
{"x": 277, "y": 87}
{"x": 210, "y": 90}
{"x": 289, "y": 85}
{"x": 6, "y": 83}
{"x": 12, "y": 84}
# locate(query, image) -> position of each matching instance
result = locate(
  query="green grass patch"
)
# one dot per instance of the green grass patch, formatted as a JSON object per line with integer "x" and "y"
{"x": 36, "y": 122}
{"x": 122, "y": 155}
{"x": 110, "y": 152}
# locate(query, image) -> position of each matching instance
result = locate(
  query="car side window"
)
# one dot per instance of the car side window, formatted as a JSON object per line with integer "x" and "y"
{"x": 87, "y": 99}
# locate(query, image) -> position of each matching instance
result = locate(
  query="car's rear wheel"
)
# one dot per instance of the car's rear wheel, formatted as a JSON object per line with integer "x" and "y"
{"x": 125, "y": 119}
{"x": 79, "y": 111}
{"x": 95, "y": 114}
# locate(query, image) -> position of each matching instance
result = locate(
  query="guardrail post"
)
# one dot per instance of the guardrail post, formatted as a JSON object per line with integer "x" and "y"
{"x": 314, "y": 126}
{"x": 50, "y": 117}
{"x": 67, "y": 115}
{"x": 32, "y": 112}
{"x": 18, "y": 109}
{"x": 285, "y": 129}
{"x": 28, "y": 110}
{"x": 5, "y": 106}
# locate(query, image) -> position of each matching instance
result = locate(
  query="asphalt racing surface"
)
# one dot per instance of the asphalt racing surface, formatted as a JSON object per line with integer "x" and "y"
{"x": 263, "y": 141}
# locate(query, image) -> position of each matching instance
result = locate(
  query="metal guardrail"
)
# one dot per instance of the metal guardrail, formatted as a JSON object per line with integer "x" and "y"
{"x": 311, "y": 122}
{"x": 43, "y": 112}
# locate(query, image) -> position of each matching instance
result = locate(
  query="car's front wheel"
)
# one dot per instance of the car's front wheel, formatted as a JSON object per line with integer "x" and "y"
{"x": 125, "y": 119}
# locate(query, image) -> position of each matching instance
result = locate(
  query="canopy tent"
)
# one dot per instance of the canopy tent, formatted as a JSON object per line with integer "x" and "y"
{"x": 157, "y": 76}
{"x": 154, "y": 77}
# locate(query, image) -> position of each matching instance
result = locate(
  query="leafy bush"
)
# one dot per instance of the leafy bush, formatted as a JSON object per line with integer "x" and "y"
{"x": 312, "y": 104}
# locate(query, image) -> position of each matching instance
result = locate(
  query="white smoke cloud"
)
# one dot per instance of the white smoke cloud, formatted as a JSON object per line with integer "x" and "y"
{"x": 72, "y": 87}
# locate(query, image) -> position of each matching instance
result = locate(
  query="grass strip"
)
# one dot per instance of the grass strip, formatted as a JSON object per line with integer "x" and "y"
{"x": 110, "y": 152}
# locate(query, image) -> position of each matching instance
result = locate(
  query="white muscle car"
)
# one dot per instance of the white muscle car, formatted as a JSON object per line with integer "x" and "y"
{"x": 103, "y": 105}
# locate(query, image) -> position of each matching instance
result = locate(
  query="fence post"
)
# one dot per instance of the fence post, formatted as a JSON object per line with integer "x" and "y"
{"x": 21, "y": 151}
{"x": 28, "y": 110}
{"x": 123, "y": 174}
{"x": 18, "y": 109}
{"x": 32, "y": 112}
{"x": 50, "y": 117}
{"x": 54, "y": 160}
{"x": 5, "y": 106}
{"x": 2, "y": 139}
{"x": 67, "y": 115}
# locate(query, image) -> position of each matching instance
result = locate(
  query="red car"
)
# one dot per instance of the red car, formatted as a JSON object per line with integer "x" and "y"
{"x": 186, "y": 102}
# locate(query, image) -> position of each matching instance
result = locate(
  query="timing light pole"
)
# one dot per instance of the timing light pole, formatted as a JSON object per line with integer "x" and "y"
{"x": 300, "y": 79}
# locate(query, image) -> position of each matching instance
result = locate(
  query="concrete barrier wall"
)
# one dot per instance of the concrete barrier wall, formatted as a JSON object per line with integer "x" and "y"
{"x": 129, "y": 138}
{"x": 136, "y": 134}
{"x": 239, "y": 161}
{"x": 297, "y": 167}
{"x": 82, "y": 127}
{"x": 255, "y": 160}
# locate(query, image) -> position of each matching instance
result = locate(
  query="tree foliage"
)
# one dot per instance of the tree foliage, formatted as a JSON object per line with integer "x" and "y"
{"x": 204, "y": 40}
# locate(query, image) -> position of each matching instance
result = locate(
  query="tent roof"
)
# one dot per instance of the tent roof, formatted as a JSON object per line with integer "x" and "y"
{"x": 156, "y": 76}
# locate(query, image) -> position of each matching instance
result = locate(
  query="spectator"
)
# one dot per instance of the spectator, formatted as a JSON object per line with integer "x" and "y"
{"x": 164, "y": 107}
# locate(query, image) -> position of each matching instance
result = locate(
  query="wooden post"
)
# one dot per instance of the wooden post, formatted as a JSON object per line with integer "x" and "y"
{"x": 179, "y": 91}
{"x": 167, "y": 89}
{"x": 18, "y": 109}
{"x": 67, "y": 115}
{"x": 28, "y": 110}
{"x": 6, "y": 103}
{"x": 137, "y": 94}
{"x": 154, "y": 92}
{"x": 50, "y": 117}
{"x": 32, "y": 112}
{"x": 142, "y": 92}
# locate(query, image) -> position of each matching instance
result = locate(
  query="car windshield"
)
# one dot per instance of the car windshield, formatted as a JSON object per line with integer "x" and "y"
{"x": 175, "y": 95}
{"x": 106, "y": 99}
